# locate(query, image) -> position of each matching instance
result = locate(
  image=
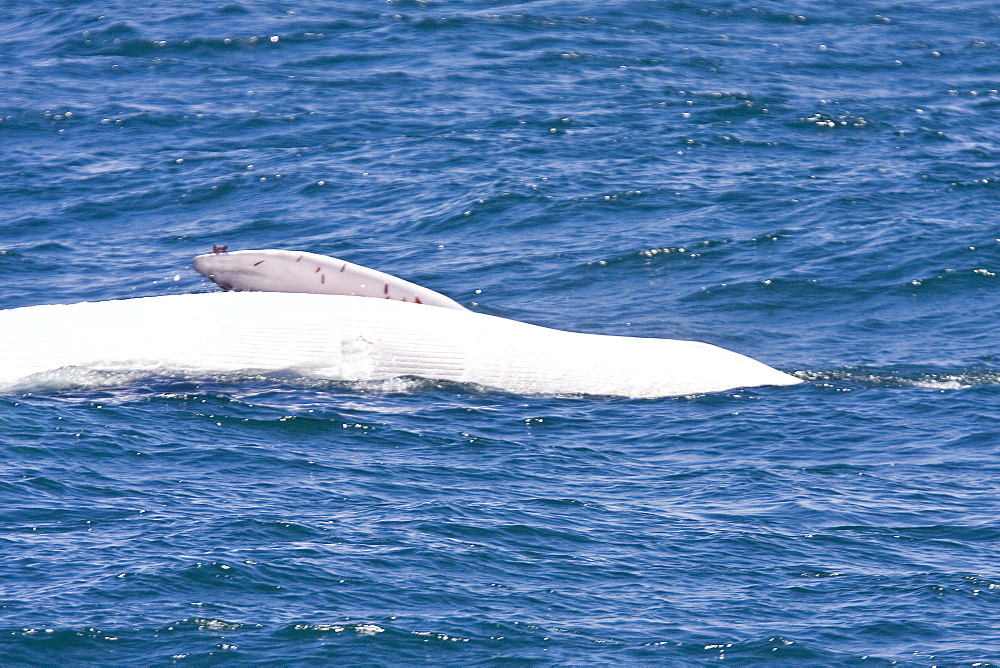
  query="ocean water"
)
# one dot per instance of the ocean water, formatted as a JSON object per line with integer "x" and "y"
{"x": 813, "y": 184}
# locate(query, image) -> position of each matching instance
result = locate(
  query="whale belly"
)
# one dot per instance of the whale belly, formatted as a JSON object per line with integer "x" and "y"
{"x": 354, "y": 338}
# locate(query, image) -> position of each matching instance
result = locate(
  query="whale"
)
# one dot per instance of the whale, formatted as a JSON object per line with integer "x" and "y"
{"x": 298, "y": 314}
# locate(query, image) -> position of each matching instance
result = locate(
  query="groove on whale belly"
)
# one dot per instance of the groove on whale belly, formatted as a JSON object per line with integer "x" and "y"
{"x": 351, "y": 338}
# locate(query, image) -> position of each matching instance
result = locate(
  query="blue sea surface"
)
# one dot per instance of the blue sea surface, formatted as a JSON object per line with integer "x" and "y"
{"x": 813, "y": 184}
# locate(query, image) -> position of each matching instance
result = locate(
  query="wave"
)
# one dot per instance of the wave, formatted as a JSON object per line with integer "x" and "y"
{"x": 902, "y": 377}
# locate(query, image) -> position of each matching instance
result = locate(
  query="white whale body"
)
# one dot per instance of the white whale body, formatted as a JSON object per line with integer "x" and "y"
{"x": 350, "y": 338}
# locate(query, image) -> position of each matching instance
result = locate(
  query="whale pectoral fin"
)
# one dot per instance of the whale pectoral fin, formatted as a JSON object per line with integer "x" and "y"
{"x": 272, "y": 270}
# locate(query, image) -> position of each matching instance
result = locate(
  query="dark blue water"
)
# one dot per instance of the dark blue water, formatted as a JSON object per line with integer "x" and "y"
{"x": 814, "y": 184}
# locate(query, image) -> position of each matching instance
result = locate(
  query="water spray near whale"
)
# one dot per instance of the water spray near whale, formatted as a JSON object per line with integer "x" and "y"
{"x": 316, "y": 316}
